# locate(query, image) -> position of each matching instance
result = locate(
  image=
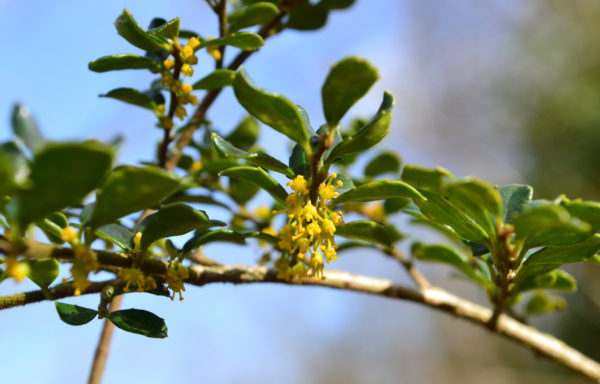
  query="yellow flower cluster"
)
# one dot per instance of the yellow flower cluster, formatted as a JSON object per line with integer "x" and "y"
{"x": 183, "y": 63}
{"x": 83, "y": 263}
{"x": 18, "y": 270}
{"x": 307, "y": 239}
{"x": 176, "y": 275}
{"x": 135, "y": 277}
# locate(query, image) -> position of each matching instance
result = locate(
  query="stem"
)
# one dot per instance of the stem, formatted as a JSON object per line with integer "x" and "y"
{"x": 103, "y": 348}
{"x": 412, "y": 271}
{"x": 164, "y": 145}
{"x": 222, "y": 13}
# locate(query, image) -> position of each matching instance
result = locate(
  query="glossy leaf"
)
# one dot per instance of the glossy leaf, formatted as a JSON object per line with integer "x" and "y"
{"x": 183, "y": 197}
{"x": 130, "y": 189}
{"x": 370, "y": 134}
{"x": 43, "y": 272}
{"x": 377, "y": 190}
{"x": 307, "y": 16}
{"x": 13, "y": 168}
{"x": 386, "y": 162}
{"x": 25, "y": 128}
{"x": 116, "y": 234}
{"x": 74, "y": 314}
{"x": 348, "y": 81}
{"x": 139, "y": 321}
{"x": 220, "y": 235}
{"x": 550, "y": 224}
{"x": 299, "y": 162}
{"x": 172, "y": 220}
{"x": 218, "y": 79}
{"x": 245, "y": 133}
{"x": 514, "y": 199}
{"x": 261, "y": 159}
{"x": 254, "y": 14}
{"x": 365, "y": 230}
{"x": 450, "y": 256}
{"x": 61, "y": 176}
{"x": 246, "y": 41}
{"x": 120, "y": 62}
{"x": 136, "y": 35}
{"x": 242, "y": 191}
{"x": 258, "y": 177}
{"x": 168, "y": 30}
{"x": 588, "y": 211}
{"x": 272, "y": 109}
{"x": 425, "y": 178}
{"x": 132, "y": 96}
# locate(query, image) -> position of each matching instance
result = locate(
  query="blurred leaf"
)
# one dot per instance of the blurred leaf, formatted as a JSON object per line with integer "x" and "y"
{"x": 61, "y": 176}
{"x": 348, "y": 81}
{"x": 52, "y": 226}
{"x": 221, "y": 235}
{"x": 74, "y": 314}
{"x": 200, "y": 199}
{"x": 246, "y": 41}
{"x": 260, "y": 159}
{"x": 307, "y": 17}
{"x": 258, "y": 177}
{"x": 139, "y": 321}
{"x": 299, "y": 162}
{"x": 245, "y": 134}
{"x": 272, "y": 109}
{"x": 172, "y": 220}
{"x": 377, "y": 190}
{"x": 43, "y": 272}
{"x": 347, "y": 183}
{"x": 514, "y": 198}
{"x": 541, "y": 303}
{"x": 364, "y": 230}
{"x": 13, "y": 168}
{"x": 448, "y": 255}
{"x": 255, "y": 14}
{"x": 119, "y": 62}
{"x": 550, "y": 224}
{"x": 348, "y": 245}
{"x": 132, "y": 96}
{"x": 218, "y": 79}
{"x": 25, "y": 128}
{"x": 117, "y": 234}
{"x": 242, "y": 191}
{"x": 556, "y": 279}
{"x": 588, "y": 211}
{"x": 370, "y": 134}
{"x": 136, "y": 35}
{"x": 386, "y": 162}
{"x": 336, "y": 4}
{"x": 395, "y": 204}
{"x": 168, "y": 30}
{"x": 425, "y": 178}
{"x": 130, "y": 189}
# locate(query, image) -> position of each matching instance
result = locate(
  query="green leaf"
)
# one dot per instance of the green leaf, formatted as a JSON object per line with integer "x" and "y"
{"x": 541, "y": 303}
{"x": 245, "y": 133}
{"x": 255, "y": 14}
{"x": 442, "y": 212}
{"x": 514, "y": 198}
{"x": 13, "y": 168}
{"x": 348, "y": 81}
{"x": 199, "y": 199}
{"x": 139, "y": 321}
{"x": 52, "y": 226}
{"x": 132, "y": 96}
{"x": 218, "y": 79}
{"x": 395, "y": 204}
{"x": 272, "y": 109}
{"x": 172, "y": 220}
{"x": 336, "y": 4}
{"x": 479, "y": 200}
{"x": 425, "y": 178}
{"x": 556, "y": 279}
{"x": 120, "y": 62}
{"x": 386, "y": 162}
{"x": 25, "y": 128}
{"x": 61, "y": 176}
{"x": 299, "y": 162}
{"x": 130, "y": 189}
{"x": 588, "y": 211}
{"x": 370, "y": 134}
{"x": 221, "y": 235}
{"x": 307, "y": 17}
{"x": 377, "y": 190}
{"x": 74, "y": 314}
{"x": 242, "y": 191}
{"x": 448, "y": 255}
{"x": 117, "y": 234}
{"x": 169, "y": 30}
{"x": 137, "y": 36}
{"x": 364, "y": 230}
{"x": 258, "y": 177}
{"x": 246, "y": 41}
{"x": 550, "y": 224}
{"x": 348, "y": 245}
{"x": 260, "y": 159}
{"x": 43, "y": 272}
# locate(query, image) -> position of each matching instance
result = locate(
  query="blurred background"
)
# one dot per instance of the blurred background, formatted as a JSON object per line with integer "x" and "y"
{"x": 505, "y": 90}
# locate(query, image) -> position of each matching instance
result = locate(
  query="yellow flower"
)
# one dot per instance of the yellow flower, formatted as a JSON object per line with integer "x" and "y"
{"x": 68, "y": 235}
{"x": 299, "y": 185}
{"x": 175, "y": 277}
{"x": 187, "y": 70}
{"x": 186, "y": 88}
{"x": 193, "y": 42}
{"x": 137, "y": 240}
{"x": 180, "y": 112}
{"x": 18, "y": 270}
{"x": 132, "y": 276}
{"x": 168, "y": 64}
{"x": 214, "y": 52}
{"x": 83, "y": 263}
{"x": 187, "y": 52}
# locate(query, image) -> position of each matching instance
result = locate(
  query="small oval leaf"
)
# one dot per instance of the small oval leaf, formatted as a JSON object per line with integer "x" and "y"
{"x": 136, "y": 35}
{"x": 246, "y": 41}
{"x": 258, "y": 177}
{"x": 121, "y": 62}
{"x": 368, "y": 231}
{"x": 74, "y": 314}
{"x": 139, "y": 321}
{"x": 377, "y": 190}
{"x": 132, "y": 96}
{"x": 218, "y": 79}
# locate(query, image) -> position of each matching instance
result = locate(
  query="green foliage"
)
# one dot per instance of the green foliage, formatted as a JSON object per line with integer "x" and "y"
{"x": 259, "y": 177}
{"x": 365, "y": 230}
{"x": 218, "y": 79}
{"x": 120, "y": 62}
{"x": 74, "y": 314}
{"x": 246, "y": 41}
{"x": 25, "y": 128}
{"x": 132, "y": 96}
{"x": 139, "y": 321}
{"x": 255, "y": 14}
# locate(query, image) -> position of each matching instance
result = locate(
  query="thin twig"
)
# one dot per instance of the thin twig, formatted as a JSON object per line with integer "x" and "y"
{"x": 410, "y": 268}
{"x": 103, "y": 348}
{"x": 222, "y": 13}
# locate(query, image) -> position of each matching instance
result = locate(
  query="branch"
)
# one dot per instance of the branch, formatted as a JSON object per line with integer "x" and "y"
{"x": 433, "y": 297}
{"x": 103, "y": 347}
